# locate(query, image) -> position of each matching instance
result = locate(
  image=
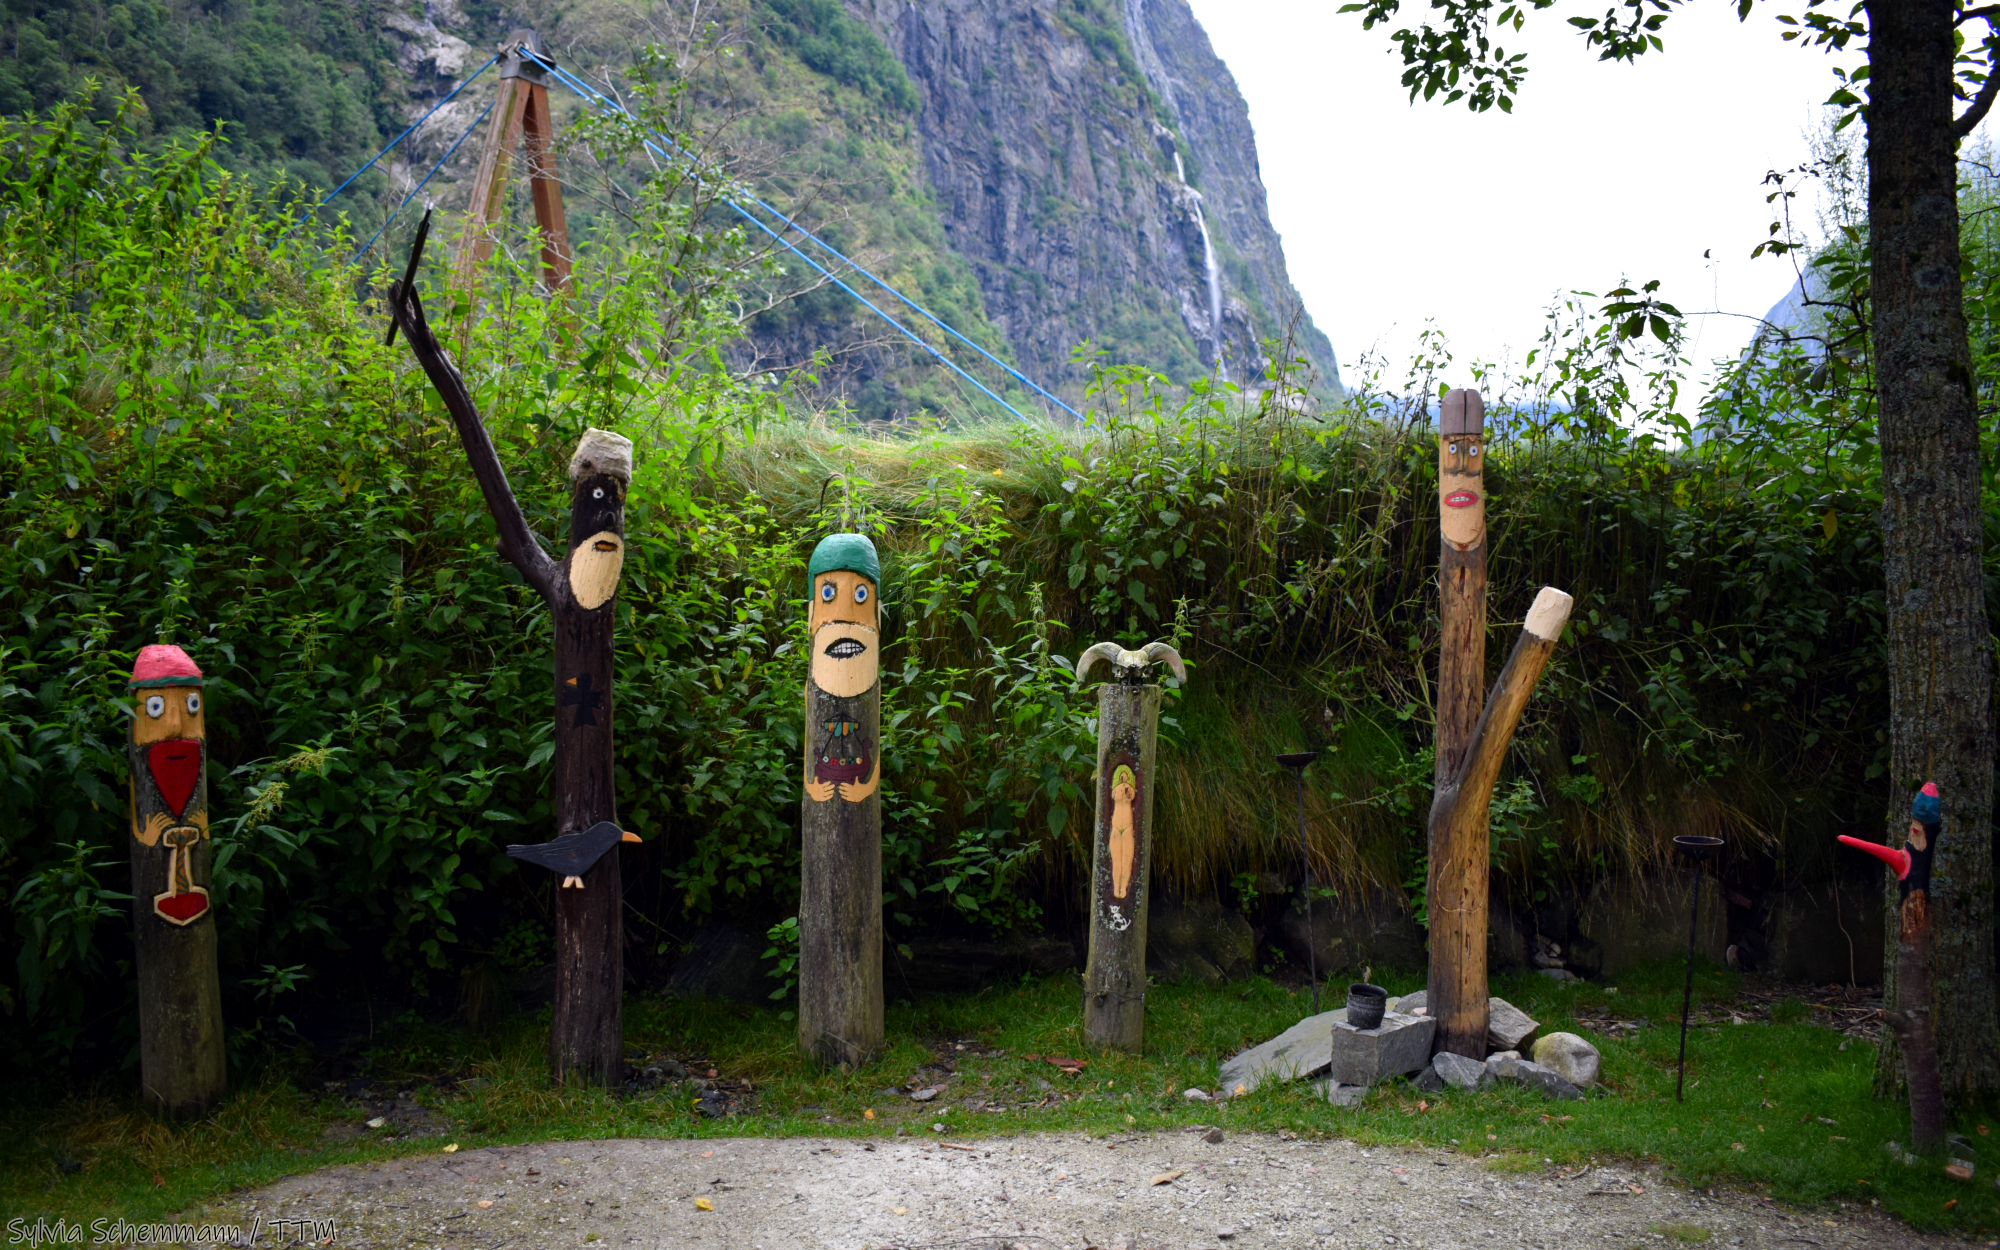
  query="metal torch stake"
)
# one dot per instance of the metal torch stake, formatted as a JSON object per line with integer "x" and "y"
{"x": 1687, "y": 988}
{"x": 1305, "y": 865}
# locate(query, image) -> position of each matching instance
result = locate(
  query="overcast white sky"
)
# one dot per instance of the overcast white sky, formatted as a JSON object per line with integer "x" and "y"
{"x": 1392, "y": 212}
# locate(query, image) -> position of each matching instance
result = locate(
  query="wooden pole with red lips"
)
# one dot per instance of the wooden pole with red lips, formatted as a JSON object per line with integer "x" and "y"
{"x": 182, "y": 1067}
{"x": 1128, "y": 739}
{"x": 840, "y": 824}
{"x": 586, "y": 1030}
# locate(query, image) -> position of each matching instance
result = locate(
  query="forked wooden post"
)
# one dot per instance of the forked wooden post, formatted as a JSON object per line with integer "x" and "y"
{"x": 586, "y": 1033}
{"x": 1460, "y": 846}
{"x": 840, "y": 866}
{"x": 183, "y": 1071}
{"x": 1128, "y": 739}
{"x": 520, "y": 118}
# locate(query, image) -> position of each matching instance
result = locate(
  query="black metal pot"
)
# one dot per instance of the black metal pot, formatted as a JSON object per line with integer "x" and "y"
{"x": 1365, "y": 1004}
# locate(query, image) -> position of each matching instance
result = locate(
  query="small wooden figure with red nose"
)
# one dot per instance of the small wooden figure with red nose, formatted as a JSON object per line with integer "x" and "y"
{"x": 1912, "y": 1020}
{"x": 181, "y": 1060}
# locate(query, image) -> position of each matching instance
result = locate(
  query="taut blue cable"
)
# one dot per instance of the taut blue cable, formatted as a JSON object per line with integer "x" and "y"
{"x": 385, "y": 151}
{"x": 589, "y": 93}
{"x": 363, "y": 251}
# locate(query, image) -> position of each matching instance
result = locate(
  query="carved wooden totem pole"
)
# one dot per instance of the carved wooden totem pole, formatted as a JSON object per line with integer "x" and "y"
{"x": 586, "y": 1032}
{"x": 1912, "y": 1017}
{"x": 1473, "y": 728}
{"x": 840, "y": 869}
{"x": 1128, "y": 730}
{"x": 182, "y": 1068}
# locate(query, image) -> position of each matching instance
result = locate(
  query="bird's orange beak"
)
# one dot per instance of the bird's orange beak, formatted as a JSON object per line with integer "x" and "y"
{"x": 629, "y": 837}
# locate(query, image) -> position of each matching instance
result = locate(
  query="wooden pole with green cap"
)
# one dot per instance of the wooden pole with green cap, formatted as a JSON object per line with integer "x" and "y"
{"x": 840, "y": 827}
{"x": 182, "y": 1068}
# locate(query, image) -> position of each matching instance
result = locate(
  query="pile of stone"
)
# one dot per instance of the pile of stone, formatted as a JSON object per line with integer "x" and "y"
{"x": 1344, "y": 1061}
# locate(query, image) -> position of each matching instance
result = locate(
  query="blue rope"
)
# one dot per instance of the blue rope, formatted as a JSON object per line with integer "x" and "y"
{"x": 421, "y": 185}
{"x": 591, "y": 94}
{"x": 385, "y": 151}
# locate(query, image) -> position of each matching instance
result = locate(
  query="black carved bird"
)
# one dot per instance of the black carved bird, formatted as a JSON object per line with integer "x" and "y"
{"x": 572, "y": 854}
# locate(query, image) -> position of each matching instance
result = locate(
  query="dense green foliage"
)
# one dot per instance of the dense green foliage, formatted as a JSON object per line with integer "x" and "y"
{"x": 203, "y": 440}
{"x": 843, "y": 49}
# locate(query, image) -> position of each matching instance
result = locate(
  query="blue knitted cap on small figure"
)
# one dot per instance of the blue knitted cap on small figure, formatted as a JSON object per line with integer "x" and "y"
{"x": 1925, "y": 809}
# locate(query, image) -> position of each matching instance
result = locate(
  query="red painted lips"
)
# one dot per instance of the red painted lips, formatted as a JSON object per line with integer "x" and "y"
{"x": 1460, "y": 499}
{"x": 176, "y": 767}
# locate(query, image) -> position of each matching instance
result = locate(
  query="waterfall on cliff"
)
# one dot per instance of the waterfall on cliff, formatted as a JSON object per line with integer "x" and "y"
{"x": 1214, "y": 273}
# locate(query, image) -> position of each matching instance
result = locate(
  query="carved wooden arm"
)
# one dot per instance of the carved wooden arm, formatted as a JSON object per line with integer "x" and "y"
{"x": 517, "y": 541}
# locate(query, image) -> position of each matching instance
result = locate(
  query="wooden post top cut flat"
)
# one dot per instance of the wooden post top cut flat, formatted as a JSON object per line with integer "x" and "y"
{"x": 1549, "y": 613}
{"x": 1462, "y": 411}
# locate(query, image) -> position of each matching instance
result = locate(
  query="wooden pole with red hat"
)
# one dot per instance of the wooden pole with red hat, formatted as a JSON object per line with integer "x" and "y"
{"x": 183, "y": 1071}
{"x": 1912, "y": 1017}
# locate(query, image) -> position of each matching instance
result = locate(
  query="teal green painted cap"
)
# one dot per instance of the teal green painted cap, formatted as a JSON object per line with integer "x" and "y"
{"x": 850, "y": 552}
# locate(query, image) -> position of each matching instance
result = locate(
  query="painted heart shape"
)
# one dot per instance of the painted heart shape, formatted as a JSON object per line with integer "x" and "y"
{"x": 181, "y": 908}
{"x": 176, "y": 768}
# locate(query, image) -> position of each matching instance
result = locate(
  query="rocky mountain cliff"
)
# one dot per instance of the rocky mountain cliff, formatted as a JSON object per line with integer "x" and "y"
{"x": 1098, "y": 168}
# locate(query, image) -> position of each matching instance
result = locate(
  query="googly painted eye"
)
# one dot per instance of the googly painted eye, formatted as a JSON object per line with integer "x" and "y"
{"x": 861, "y": 594}
{"x": 1473, "y": 450}
{"x": 827, "y": 592}
{"x": 1452, "y": 448}
{"x": 193, "y": 703}
{"x": 597, "y": 493}
{"x": 156, "y": 706}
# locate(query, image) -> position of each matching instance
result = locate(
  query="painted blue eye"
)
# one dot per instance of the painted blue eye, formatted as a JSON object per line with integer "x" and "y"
{"x": 826, "y": 593}
{"x": 860, "y": 594}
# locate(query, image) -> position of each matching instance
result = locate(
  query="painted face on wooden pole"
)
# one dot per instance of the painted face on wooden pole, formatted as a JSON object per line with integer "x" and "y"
{"x": 599, "y": 473}
{"x": 1462, "y": 469}
{"x": 169, "y": 756}
{"x": 844, "y": 621}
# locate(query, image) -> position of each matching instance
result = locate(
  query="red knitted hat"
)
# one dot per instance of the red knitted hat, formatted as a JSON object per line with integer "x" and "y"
{"x": 163, "y": 664}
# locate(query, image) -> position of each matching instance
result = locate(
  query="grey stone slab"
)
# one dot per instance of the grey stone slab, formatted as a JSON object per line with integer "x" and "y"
{"x": 1340, "y": 1095}
{"x": 1299, "y": 1051}
{"x": 1507, "y": 1026}
{"x": 1526, "y": 1072}
{"x": 1458, "y": 1071}
{"x": 1400, "y": 1044}
{"x": 1411, "y": 1004}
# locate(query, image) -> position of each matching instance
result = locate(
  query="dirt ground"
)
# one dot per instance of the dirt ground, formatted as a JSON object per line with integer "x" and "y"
{"x": 1168, "y": 1191}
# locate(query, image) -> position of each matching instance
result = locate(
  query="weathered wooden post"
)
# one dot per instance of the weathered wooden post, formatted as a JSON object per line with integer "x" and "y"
{"x": 1128, "y": 730}
{"x": 840, "y": 825}
{"x": 1459, "y": 842}
{"x": 1461, "y": 692}
{"x": 1912, "y": 1018}
{"x": 586, "y": 1033}
{"x": 182, "y": 1068}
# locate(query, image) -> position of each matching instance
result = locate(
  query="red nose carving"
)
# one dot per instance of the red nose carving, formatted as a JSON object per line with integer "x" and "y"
{"x": 176, "y": 768}
{"x": 1899, "y": 860}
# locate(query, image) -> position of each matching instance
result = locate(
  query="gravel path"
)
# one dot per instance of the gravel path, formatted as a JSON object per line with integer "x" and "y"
{"x": 1171, "y": 1191}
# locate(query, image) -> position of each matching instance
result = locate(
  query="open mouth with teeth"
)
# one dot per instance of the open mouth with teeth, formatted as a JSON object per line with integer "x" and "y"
{"x": 1460, "y": 499}
{"x": 846, "y": 648}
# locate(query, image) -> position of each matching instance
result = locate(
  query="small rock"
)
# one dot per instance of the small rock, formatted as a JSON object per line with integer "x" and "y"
{"x": 1341, "y": 1095}
{"x": 1570, "y": 1057}
{"x": 1523, "y": 1072}
{"x": 937, "y": 1128}
{"x": 1213, "y": 1137}
{"x": 902, "y": 1130}
{"x": 1559, "y": 974}
{"x": 1411, "y": 1004}
{"x": 1493, "y": 1059}
{"x": 1428, "y": 1081}
{"x": 1225, "y": 1232}
{"x": 1507, "y": 1026}
{"x": 1321, "y": 1230}
{"x": 1197, "y": 1095}
{"x": 1458, "y": 1071}
{"x": 377, "y": 1122}
{"x": 1959, "y": 1170}
{"x": 923, "y": 1095}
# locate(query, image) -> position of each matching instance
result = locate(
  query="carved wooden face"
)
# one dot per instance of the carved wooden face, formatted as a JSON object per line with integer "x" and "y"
{"x": 845, "y": 633}
{"x": 1462, "y": 489}
{"x": 596, "y": 540}
{"x": 169, "y": 712}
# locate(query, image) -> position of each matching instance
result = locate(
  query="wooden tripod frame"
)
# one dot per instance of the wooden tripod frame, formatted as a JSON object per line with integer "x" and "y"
{"x": 520, "y": 118}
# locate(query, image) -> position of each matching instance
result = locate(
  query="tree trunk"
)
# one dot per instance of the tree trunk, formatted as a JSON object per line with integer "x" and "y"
{"x": 1940, "y": 643}
{"x": 1114, "y": 978}
{"x": 1912, "y": 1024}
{"x": 1457, "y": 988}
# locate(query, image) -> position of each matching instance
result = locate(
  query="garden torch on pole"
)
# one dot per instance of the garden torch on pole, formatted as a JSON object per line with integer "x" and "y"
{"x": 1297, "y": 761}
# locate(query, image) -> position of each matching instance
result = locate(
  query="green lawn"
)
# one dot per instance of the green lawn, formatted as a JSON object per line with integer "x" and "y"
{"x": 1784, "y": 1108}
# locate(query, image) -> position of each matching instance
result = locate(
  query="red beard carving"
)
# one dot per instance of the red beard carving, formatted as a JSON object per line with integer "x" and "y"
{"x": 176, "y": 767}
